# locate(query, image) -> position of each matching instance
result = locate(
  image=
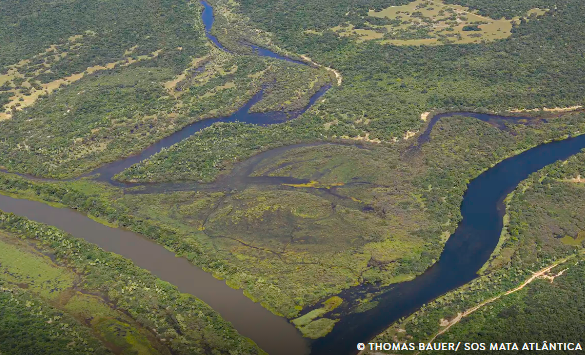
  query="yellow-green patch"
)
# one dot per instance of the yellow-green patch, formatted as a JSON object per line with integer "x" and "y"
{"x": 124, "y": 336}
{"x": 309, "y": 317}
{"x": 20, "y": 265}
{"x": 89, "y": 306}
{"x": 318, "y": 328}
{"x": 429, "y": 22}
{"x": 333, "y": 303}
{"x": 576, "y": 242}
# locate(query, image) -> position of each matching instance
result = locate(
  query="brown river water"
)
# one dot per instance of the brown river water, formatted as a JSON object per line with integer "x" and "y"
{"x": 272, "y": 333}
{"x": 465, "y": 252}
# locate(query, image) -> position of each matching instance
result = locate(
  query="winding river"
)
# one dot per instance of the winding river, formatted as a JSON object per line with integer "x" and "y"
{"x": 464, "y": 254}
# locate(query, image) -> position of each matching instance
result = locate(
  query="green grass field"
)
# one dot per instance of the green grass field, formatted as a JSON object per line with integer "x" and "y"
{"x": 22, "y": 266}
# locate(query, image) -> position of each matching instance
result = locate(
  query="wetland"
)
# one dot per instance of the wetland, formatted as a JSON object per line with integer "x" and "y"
{"x": 316, "y": 224}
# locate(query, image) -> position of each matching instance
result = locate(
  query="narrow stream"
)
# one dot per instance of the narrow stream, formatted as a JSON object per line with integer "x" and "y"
{"x": 465, "y": 252}
{"x": 108, "y": 171}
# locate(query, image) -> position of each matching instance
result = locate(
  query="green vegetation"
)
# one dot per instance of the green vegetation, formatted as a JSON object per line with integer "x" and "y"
{"x": 316, "y": 328}
{"x": 104, "y": 80}
{"x": 104, "y": 117}
{"x": 88, "y": 300}
{"x": 543, "y": 310}
{"x": 42, "y": 52}
{"x": 427, "y": 22}
{"x": 543, "y": 224}
{"x": 75, "y": 101}
{"x": 292, "y": 246}
{"x": 96, "y": 33}
{"x": 31, "y": 326}
{"x": 211, "y": 151}
{"x": 386, "y": 87}
{"x": 548, "y": 308}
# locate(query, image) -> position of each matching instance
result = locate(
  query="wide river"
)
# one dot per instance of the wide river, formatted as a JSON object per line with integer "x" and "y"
{"x": 464, "y": 254}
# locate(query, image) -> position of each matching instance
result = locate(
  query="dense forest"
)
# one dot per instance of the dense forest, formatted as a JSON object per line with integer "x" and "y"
{"x": 386, "y": 88}
{"x": 30, "y": 27}
{"x": 76, "y": 100}
{"x": 390, "y": 86}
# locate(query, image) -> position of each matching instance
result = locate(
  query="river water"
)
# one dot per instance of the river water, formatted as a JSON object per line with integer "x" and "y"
{"x": 464, "y": 254}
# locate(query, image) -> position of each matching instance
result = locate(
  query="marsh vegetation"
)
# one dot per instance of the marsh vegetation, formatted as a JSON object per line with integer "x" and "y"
{"x": 77, "y": 298}
{"x": 91, "y": 90}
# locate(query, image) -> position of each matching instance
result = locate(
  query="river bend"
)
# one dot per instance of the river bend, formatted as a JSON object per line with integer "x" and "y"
{"x": 465, "y": 252}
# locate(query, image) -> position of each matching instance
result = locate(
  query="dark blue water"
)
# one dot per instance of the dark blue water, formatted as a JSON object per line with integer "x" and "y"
{"x": 495, "y": 120}
{"x": 268, "y": 53}
{"x": 107, "y": 172}
{"x": 465, "y": 252}
{"x": 208, "y": 19}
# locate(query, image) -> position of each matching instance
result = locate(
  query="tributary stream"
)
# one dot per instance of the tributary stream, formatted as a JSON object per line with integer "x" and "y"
{"x": 464, "y": 254}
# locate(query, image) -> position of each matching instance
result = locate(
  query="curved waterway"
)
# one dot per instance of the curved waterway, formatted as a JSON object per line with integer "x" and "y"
{"x": 250, "y": 319}
{"x": 465, "y": 252}
{"x": 272, "y": 333}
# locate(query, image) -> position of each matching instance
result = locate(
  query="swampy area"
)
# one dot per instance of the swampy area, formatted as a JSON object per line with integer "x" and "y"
{"x": 319, "y": 188}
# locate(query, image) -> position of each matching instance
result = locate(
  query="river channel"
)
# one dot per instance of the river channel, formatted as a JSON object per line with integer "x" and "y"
{"x": 465, "y": 252}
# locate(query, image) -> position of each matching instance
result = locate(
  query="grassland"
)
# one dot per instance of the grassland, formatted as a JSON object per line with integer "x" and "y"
{"x": 89, "y": 301}
{"x": 430, "y": 22}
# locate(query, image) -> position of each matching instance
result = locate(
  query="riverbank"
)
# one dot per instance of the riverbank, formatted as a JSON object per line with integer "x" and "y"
{"x": 372, "y": 218}
{"x": 103, "y": 208}
{"x": 82, "y": 289}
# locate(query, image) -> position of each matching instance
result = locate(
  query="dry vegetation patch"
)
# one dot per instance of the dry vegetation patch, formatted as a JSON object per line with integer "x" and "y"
{"x": 20, "y": 80}
{"x": 429, "y": 22}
